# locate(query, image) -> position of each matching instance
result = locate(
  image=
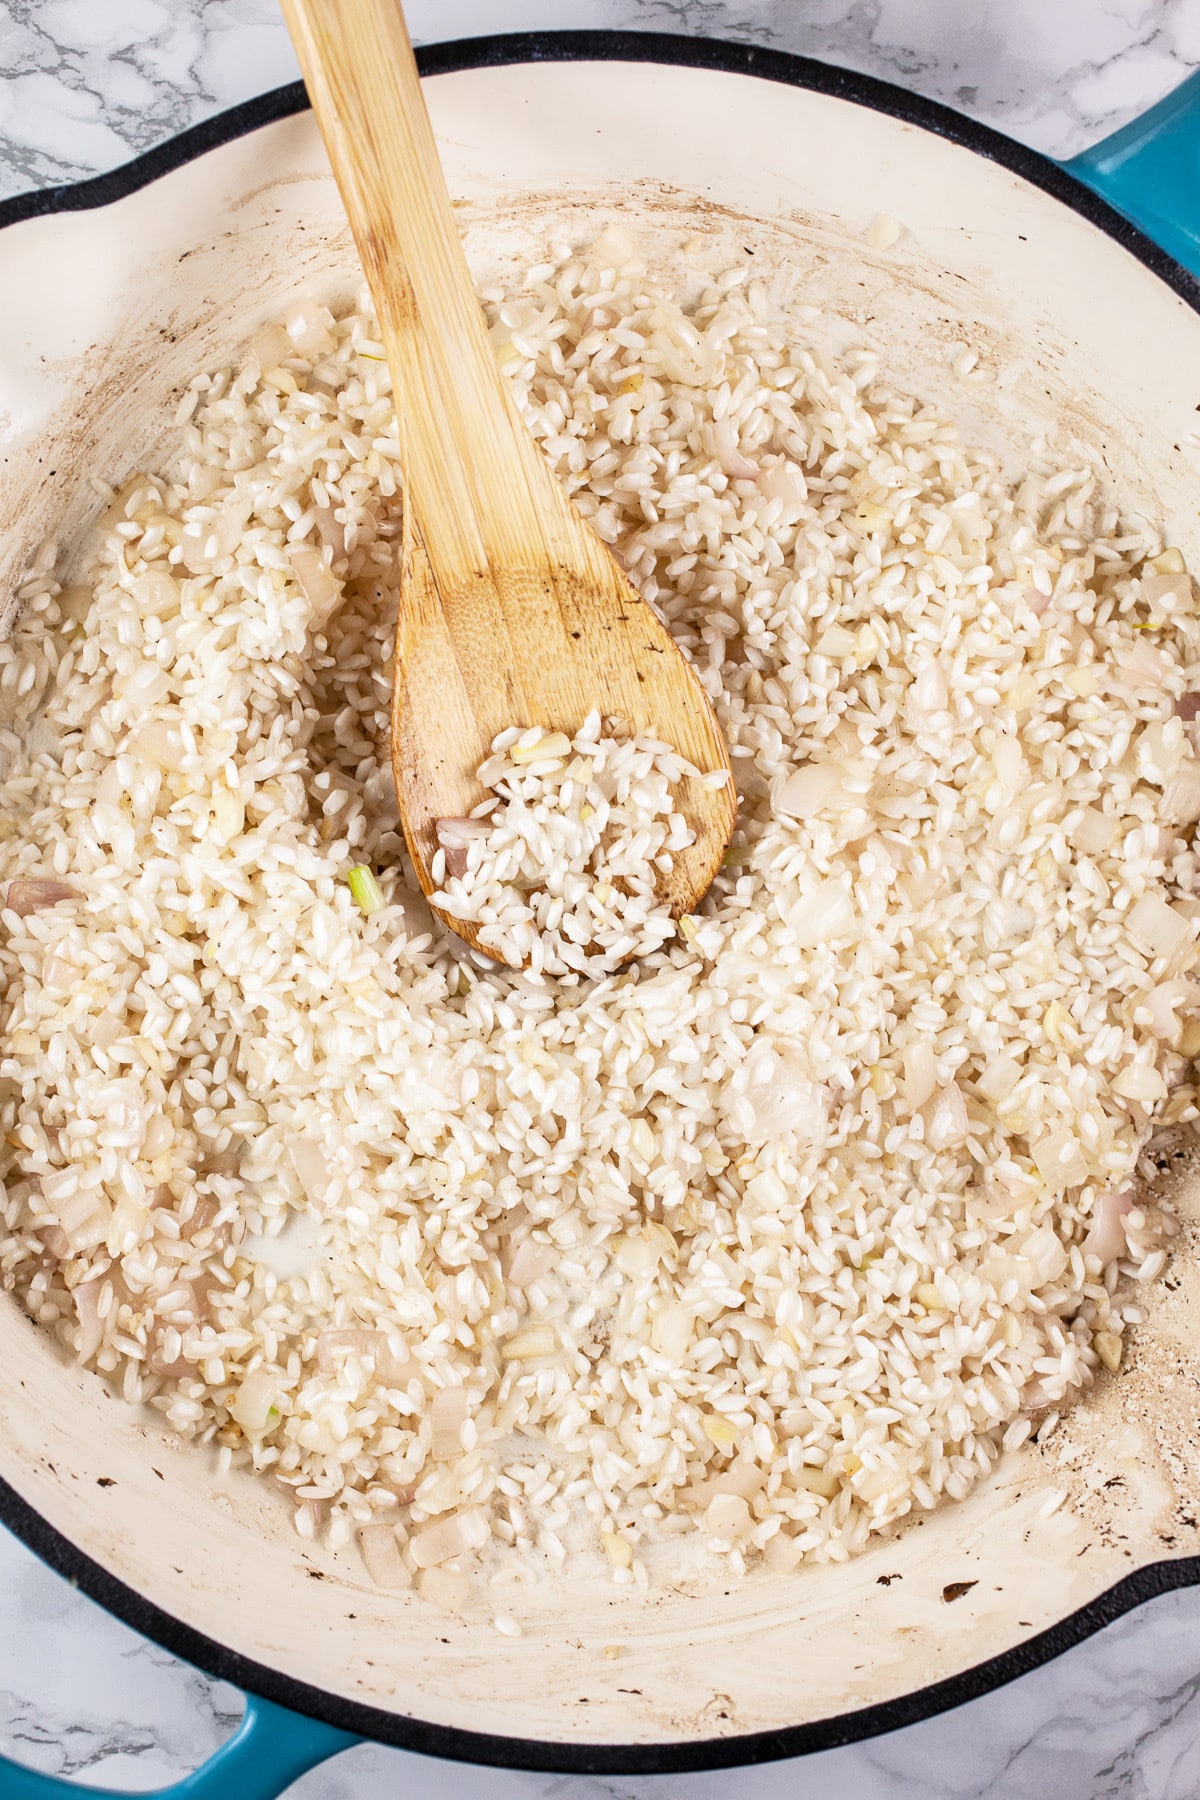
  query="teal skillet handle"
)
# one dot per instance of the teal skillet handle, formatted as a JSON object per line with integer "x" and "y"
{"x": 270, "y": 1749}
{"x": 1150, "y": 172}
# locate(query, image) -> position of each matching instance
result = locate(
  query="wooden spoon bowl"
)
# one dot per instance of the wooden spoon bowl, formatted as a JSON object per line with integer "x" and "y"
{"x": 512, "y": 612}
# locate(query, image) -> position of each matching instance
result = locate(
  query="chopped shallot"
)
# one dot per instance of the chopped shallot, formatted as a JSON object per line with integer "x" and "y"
{"x": 727, "y": 1516}
{"x": 254, "y": 1402}
{"x": 809, "y": 788}
{"x": 31, "y": 893}
{"x": 391, "y": 1369}
{"x": 308, "y": 325}
{"x": 321, "y": 588}
{"x": 920, "y": 1074}
{"x": 779, "y": 1095}
{"x": 454, "y": 1535}
{"x": 827, "y": 911}
{"x": 730, "y": 457}
{"x": 1157, "y": 924}
{"x": 1181, "y": 794}
{"x": 530, "y": 1261}
{"x": 783, "y": 481}
{"x": 744, "y": 1480}
{"x": 381, "y": 1553}
{"x": 447, "y": 1589}
{"x": 448, "y": 1415}
{"x": 1161, "y": 1005}
{"x": 91, "y": 1326}
{"x": 946, "y": 1122}
{"x": 1106, "y": 1234}
{"x": 312, "y": 1167}
{"x": 455, "y": 837}
{"x": 332, "y": 1346}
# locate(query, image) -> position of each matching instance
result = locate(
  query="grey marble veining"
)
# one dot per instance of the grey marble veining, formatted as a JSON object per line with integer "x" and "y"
{"x": 84, "y": 84}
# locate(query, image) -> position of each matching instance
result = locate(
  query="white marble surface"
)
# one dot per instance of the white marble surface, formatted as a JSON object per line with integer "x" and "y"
{"x": 84, "y": 84}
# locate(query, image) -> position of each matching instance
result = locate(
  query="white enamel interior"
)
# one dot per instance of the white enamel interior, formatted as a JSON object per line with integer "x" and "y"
{"x": 103, "y": 315}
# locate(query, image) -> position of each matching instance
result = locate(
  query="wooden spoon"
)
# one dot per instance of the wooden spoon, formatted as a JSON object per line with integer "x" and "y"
{"x": 512, "y": 612}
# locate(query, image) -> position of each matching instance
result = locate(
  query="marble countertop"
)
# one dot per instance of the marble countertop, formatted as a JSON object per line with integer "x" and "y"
{"x": 85, "y": 85}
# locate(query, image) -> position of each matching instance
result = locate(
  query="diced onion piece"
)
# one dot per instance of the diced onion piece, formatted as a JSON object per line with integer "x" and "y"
{"x": 1161, "y": 1006}
{"x": 312, "y": 1168}
{"x": 617, "y": 1547}
{"x": 733, "y": 463}
{"x": 1161, "y": 750}
{"x": 780, "y": 1097}
{"x": 946, "y": 1121}
{"x": 727, "y": 1516}
{"x": 744, "y": 1479}
{"x": 817, "y": 1481}
{"x": 1142, "y": 665}
{"x": 321, "y": 587}
{"x": 334, "y": 1346}
{"x": 1060, "y": 1159}
{"x": 382, "y": 1555}
{"x": 455, "y": 837}
{"x": 1157, "y": 925}
{"x": 157, "y": 743}
{"x": 32, "y": 893}
{"x": 999, "y": 1078}
{"x": 929, "y": 693}
{"x": 447, "y": 1417}
{"x": 447, "y": 1589}
{"x": 1008, "y": 760}
{"x": 91, "y": 1327}
{"x": 884, "y": 231}
{"x": 920, "y": 1074}
{"x": 1106, "y": 1238}
{"x": 85, "y": 1218}
{"x": 638, "y": 1254}
{"x": 253, "y": 1402}
{"x": 671, "y": 1326}
{"x": 366, "y": 889}
{"x": 394, "y": 1368}
{"x": 271, "y": 346}
{"x": 827, "y": 912}
{"x": 528, "y": 1345}
{"x": 835, "y": 642}
{"x": 455, "y": 1534}
{"x": 1140, "y": 1082}
{"x": 783, "y": 1553}
{"x": 1046, "y": 1255}
{"x": 547, "y": 746}
{"x": 54, "y": 1238}
{"x": 807, "y": 789}
{"x": 1181, "y": 794}
{"x": 530, "y": 1261}
{"x": 783, "y": 481}
{"x": 1093, "y": 830}
{"x": 308, "y": 326}
{"x": 332, "y": 531}
{"x": 1168, "y": 593}
{"x": 719, "y": 1430}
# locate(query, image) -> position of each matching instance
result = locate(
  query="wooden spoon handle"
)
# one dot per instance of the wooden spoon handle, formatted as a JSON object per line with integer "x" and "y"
{"x": 469, "y": 463}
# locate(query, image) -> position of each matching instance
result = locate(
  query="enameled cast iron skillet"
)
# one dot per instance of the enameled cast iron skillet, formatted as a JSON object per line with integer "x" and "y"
{"x": 1077, "y": 286}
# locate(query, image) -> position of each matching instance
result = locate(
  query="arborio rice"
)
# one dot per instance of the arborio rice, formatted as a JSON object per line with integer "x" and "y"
{"x": 560, "y": 866}
{"x": 777, "y": 1235}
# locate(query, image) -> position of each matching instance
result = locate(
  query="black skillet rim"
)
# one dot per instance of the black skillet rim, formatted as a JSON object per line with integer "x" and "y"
{"x": 371, "y": 1722}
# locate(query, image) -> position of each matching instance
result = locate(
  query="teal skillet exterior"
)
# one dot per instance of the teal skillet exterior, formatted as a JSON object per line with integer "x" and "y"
{"x": 1149, "y": 171}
